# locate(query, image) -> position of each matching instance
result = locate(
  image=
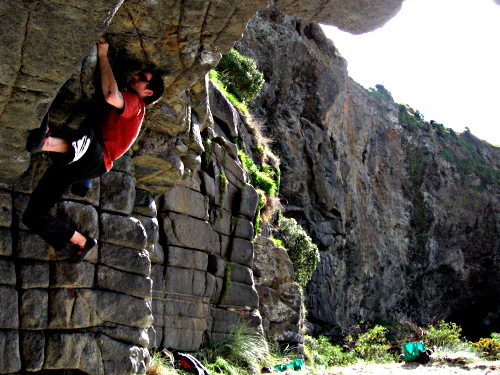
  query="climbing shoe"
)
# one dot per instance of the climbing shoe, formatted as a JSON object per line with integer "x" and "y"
{"x": 81, "y": 188}
{"x": 79, "y": 253}
{"x": 36, "y": 137}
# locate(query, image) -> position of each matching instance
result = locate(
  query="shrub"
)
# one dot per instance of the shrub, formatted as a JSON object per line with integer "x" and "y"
{"x": 244, "y": 349}
{"x": 321, "y": 352}
{"x": 221, "y": 366}
{"x": 240, "y": 76}
{"x": 488, "y": 348}
{"x": 160, "y": 365}
{"x": 443, "y": 335}
{"x": 372, "y": 345}
{"x": 260, "y": 205}
{"x": 261, "y": 178}
{"x": 302, "y": 251}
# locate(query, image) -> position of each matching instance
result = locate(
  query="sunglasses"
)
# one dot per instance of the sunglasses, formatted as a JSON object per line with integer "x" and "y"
{"x": 142, "y": 77}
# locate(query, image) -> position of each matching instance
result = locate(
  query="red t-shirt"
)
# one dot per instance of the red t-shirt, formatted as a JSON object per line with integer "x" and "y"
{"x": 120, "y": 128}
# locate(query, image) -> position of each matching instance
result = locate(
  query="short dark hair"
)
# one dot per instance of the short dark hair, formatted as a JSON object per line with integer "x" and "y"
{"x": 156, "y": 85}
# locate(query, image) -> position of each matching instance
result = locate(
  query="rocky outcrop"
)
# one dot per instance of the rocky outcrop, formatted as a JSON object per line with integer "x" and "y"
{"x": 48, "y": 51}
{"x": 405, "y": 216}
{"x": 280, "y": 298}
{"x": 168, "y": 273}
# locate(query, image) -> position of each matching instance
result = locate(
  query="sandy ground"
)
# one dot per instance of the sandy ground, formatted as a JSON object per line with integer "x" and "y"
{"x": 489, "y": 368}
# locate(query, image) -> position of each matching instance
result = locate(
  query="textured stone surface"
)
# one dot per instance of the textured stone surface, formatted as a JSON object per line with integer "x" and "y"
{"x": 272, "y": 265}
{"x": 126, "y": 259}
{"x": 242, "y": 252}
{"x": 10, "y": 360}
{"x": 240, "y": 295}
{"x": 81, "y": 217}
{"x": 5, "y": 242}
{"x": 123, "y": 231}
{"x": 31, "y": 246}
{"x": 184, "y": 258}
{"x": 9, "y": 319}
{"x": 180, "y": 229}
{"x": 187, "y": 202}
{"x": 144, "y": 203}
{"x": 7, "y": 272}
{"x": 5, "y": 209}
{"x": 34, "y": 275}
{"x": 345, "y": 14}
{"x": 81, "y": 352}
{"x": 249, "y": 201}
{"x": 121, "y": 358}
{"x": 279, "y": 298}
{"x": 123, "y": 282}
{"x": 33, "y": 350}
{"x": 118, "y": 192}
{"x": 72, "y": 275}
{"x": 33, "y": 310}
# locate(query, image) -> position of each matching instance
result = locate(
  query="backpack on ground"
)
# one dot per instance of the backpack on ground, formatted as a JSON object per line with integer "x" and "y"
{"x": 416, "y": 352}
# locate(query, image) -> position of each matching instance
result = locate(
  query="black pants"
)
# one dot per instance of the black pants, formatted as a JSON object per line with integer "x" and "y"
{"x": 58, "y": 178}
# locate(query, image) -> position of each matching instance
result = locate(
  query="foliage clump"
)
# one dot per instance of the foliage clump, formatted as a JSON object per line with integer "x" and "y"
{"x": 443, "y": 335}
{"x": 381, "y": 93}
{"x": 160, "y": 365}
{"x": 265, "y": 180}
{"x": 245, "y": 351}
{"x": 323, "y": 353}
{"x": 303, "y": 253}
{"x": 488, "y": 348}
{"x": 240, "y": 76}
{"x": 372, "y": 345}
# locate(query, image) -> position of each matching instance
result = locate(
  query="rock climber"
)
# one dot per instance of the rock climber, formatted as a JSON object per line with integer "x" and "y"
{"x": 87, "y": 154}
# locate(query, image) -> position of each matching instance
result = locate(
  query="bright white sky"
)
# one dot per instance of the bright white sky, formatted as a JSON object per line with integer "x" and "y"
{"x": 441, "y": 57}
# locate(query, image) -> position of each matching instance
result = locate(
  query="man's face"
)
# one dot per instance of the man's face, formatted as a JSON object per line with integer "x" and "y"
{"x": 140, "y": 82}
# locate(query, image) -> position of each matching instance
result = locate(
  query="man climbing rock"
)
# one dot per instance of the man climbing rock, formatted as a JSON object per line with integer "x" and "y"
{"x": 87, "y": 154}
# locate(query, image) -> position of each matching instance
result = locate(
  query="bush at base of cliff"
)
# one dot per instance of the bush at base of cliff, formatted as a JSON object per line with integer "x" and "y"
{"x": 372, "y": 345}
{"x": 443, "y": 335}
{"x": 160, "y": 365}
{"x": 303, "y": 253}
{"x": 244, "y": 352}
{"x": 488, "y": 348}
{"x": 322, "y": 353}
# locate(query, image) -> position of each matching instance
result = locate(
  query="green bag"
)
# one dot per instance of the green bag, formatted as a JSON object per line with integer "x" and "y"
{"x": 412, "y": 351}
{"x": 295, "y": 365}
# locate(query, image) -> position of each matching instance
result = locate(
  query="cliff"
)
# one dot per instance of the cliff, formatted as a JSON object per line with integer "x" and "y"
{"x": 174, "y": 217}
{"x": 405, "y": 212}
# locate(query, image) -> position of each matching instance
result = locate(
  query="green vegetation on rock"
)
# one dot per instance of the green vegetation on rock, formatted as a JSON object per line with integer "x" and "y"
{"x": 303, "y": 253}
{"x": 240, "y": 76}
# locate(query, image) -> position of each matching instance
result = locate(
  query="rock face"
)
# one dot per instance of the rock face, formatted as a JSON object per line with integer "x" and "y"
{"x": 406, "y": 227}
{"x": 280, "y": 299}
{"x": 47, "y": 51}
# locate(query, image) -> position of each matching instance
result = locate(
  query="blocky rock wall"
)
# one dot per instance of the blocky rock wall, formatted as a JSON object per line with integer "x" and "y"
{"x": 95, "y": 315}
{"x": 173, "y": 272}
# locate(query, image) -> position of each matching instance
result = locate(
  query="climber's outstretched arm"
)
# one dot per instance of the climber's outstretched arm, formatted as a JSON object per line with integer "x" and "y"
{"x": 110, "y": 90}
